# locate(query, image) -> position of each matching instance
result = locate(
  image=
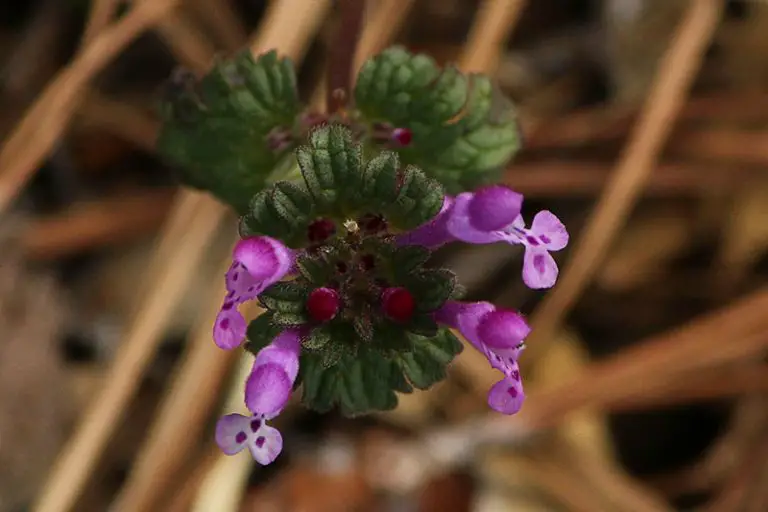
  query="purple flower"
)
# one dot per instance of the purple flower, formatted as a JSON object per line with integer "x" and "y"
{"x": 235, "y": 432}
{"x": 499, "y": 335}
{"x": 257, "y": 263}
{"x": 492, "y": 214}
{"x": 267, "y": 391}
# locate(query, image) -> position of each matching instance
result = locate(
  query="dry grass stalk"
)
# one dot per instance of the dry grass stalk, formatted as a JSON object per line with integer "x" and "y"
{"x": 702, "y": 385}
{"x": 674, "y": 78}
{"x": 129, "y": 122}
{"x": 746, "y": 490}
{"x": 613, "y": 484}
{"x": 179, "y": 251}
{"x": 603, "y": 124}
{"x": 562, "y": 178}
{"x": 693, "y": 347}
{"x": 384, "y": 24}
{"x": 223, "y": 487}
{"x": 167, "y": 277}
{"x": 490, "y": 31}
{"x": 380, "y": 28}
{"x": 699, "y": 344}
{"x": 105, "y": 222}
{"x": 44, "y": 122}
{"x": 182, "y": 498}
{"x": 221, "y": 19}
{"x": 182, "y": 415}
{"x": 100, "y": 16}
{"x": 189, "y": 46}
{"x": 561, "y": 483}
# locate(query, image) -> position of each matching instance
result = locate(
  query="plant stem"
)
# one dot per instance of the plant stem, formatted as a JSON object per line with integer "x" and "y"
{"x": 343, "y": 54}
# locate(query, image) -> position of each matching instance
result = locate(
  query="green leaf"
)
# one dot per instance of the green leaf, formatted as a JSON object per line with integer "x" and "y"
{"x": 331, "y": 165}
{"x": 464, "y": 130}
{"x": 283, "y": 211}
{"x": 407, "y": 258}
{"x": 426, "y": 363}
{"x": 431, "y": 288}
{"x": 289, "y": 319}
{"x": 261, "y": 331}
{"x": 379, "y": 185}
{"x": 317, "y": 339}
{"x": 391, "y": 338}
{"x": 315, "y": 269}
{"x": 285, "y": 297}
{"x": 363, "y": 327}
{"x": 217, "y": 130}
{"x": 418, "y": 200}
{"x": 292, "y": 204}
{"x": 423, "y": 325}
{"x": 357, "y": 385}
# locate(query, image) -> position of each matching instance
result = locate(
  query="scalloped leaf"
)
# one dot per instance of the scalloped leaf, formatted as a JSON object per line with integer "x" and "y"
{"x": 425, "y": 365}
{"x": 332, "y": 166}
{"x": 357, "y": 385}
{"x": 463, "y": 129}
{"x": 217, "y": 130}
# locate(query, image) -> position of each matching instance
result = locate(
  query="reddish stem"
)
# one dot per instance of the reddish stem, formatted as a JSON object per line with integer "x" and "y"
{"x": 343, "y": 53}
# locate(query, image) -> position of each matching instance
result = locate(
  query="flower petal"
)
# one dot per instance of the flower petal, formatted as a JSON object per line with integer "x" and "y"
{"x": 267, "y": 389}
{"x": 469, "y": 319}
{"x": 284, "y": 352}
{"x": 539, "y": 268}
{"x": 505, "y": 360}
{"x": 432, "y": 234}
{"x": 240, "y": 284}
{"x": 265, "y": 445}
{"x": 506, "y": 396}
{"x": 459, "y": 224}
{"x": 232, "y": 433}
{"x": 494, "y": 207}
{"x": 266, "y": 259}
{"x": 503, "y": 329}
{"x": 230, "y": 327}
{"x": 448, "y": 314}
{"x": 548, "y": 228}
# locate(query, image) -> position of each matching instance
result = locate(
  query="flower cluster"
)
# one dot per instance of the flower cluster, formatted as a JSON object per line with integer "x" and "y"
{"x": 353, "y": 312}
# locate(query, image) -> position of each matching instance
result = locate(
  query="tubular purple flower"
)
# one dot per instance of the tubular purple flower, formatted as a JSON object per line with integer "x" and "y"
{"x": 499, "y": 335}
{"x": 257, "y": 263}
{"x": 492, "y": 214}
{"x": 267, "y": 391}
{"x": 274, "y": 371}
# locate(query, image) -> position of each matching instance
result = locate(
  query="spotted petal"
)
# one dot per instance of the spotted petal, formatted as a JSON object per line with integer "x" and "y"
{"x": 284, "y": 352}
{"x": 267, "y": 389}
{"x": 230, "y": 327}
{"x": 460, "y": 224}
{"x": 539, "y": 268}
{"x": 265, "y": 445}
{"x": 506, "y": 396}
{"x": 548, "y": 228}
{"x": 232, "y": 432}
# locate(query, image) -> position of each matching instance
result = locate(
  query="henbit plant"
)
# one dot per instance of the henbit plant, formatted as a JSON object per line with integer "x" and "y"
{"x": 340, "y": 214}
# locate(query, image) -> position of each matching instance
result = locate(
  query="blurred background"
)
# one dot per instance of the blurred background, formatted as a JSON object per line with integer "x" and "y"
{"x": 646, "y": 131}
